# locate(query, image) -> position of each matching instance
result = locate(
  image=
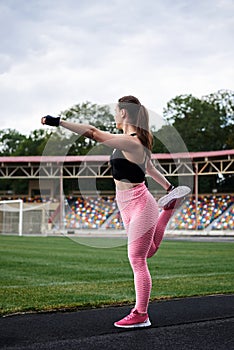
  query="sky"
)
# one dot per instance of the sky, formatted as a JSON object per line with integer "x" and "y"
{"x": 58, "y": 53}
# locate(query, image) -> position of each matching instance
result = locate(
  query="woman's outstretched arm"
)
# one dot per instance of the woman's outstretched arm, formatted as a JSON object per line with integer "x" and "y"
{"x": 121, "y": 141}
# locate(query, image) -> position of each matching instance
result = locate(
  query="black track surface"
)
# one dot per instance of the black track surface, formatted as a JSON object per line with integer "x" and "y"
{"x": 205, "y": 323}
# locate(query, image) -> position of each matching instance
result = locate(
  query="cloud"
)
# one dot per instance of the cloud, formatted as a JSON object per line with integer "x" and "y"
{"x": 58, "y": 53}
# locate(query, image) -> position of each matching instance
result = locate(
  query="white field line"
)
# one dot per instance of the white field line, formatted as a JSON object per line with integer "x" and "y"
{"x": 165, "y": 277}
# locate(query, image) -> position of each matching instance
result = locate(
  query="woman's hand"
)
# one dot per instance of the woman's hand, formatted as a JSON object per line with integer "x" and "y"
{"x": 49, "y": 120}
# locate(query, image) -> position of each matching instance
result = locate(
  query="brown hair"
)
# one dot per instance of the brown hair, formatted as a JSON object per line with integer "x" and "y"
{"x": 139, "y": 117}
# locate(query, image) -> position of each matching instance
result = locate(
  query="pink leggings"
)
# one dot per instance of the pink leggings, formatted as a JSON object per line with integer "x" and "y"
{"x": 145, "y": 229}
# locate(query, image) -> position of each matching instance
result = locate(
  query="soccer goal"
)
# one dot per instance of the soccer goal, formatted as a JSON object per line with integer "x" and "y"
{"x": 11, "y": 216}
{"x": 17, "y": 217}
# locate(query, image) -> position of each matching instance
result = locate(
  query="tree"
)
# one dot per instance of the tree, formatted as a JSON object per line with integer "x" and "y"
{"x": 14, "y": 143}
{"x": 34, "y": 143}
{"x": 62, "y": 142}
{"x": 89, "y": 113}
{"x": 224, "y": 100}
{"x": 204, "y": 124}
{"x": 10, "y": 141}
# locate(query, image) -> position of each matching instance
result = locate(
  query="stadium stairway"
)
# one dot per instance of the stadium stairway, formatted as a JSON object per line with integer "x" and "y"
{"x": 213, "y": 224}
{"x": 109, "y": 219}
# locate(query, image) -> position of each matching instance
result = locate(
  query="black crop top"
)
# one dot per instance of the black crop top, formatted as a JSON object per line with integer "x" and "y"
{"x": 126, "y": 171}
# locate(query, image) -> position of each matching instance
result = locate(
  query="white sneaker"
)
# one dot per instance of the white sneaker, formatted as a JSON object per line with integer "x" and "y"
{"x": 175, "y": 198}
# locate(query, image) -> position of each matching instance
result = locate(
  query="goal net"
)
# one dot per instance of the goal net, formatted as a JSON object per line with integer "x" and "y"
{"x": 17, "y": 217}
{"x": 11, "y": 216}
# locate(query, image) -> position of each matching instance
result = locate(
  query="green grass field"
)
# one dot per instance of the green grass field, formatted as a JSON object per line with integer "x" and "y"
{"x": 47, "y": 273}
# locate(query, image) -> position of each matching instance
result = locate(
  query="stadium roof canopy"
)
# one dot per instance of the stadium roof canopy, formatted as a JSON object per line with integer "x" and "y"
{"x": 170, "y": 164}
{"x": 64, "y": 159}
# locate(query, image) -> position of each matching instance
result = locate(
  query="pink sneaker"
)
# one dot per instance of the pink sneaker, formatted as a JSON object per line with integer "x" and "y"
{"x": 133, "y": 320}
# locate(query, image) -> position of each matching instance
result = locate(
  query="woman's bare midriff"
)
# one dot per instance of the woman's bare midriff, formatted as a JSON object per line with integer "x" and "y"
{"x": 122, "y": 186}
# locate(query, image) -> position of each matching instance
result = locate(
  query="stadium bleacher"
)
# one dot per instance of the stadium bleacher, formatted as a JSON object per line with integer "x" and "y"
{"x": 215, "y": 211}
{"x": 89, "y": 212}
{"x": 210, "y": 208}
{"x": 226, "y": 221}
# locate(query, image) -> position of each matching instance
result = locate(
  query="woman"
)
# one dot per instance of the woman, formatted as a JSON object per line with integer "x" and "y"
{"x": 130, "y": 162}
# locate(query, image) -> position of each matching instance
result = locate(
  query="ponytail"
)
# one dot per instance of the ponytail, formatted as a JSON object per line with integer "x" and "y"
{"x": 143, "y": 131}
{"x": 139, "y": 117}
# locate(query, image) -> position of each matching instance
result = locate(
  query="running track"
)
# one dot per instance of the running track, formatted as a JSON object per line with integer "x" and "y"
{"x": 198, "y": 323}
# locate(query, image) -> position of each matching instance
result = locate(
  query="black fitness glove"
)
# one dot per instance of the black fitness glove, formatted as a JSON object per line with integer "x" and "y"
{"x": 52, "y": 121}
